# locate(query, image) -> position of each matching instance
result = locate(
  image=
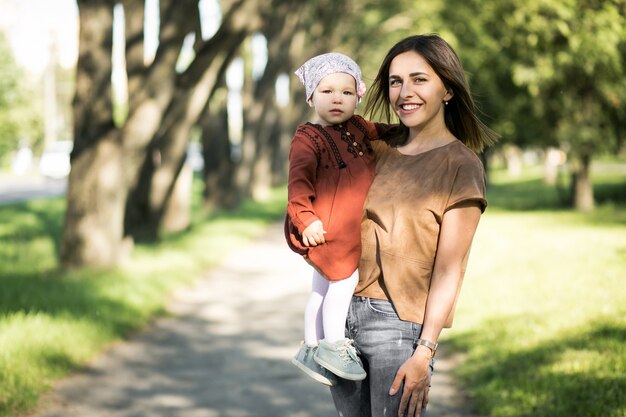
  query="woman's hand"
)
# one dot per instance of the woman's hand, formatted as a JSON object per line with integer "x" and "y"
{"x": 415, "y": 373}
{"x": 313, "y": 235}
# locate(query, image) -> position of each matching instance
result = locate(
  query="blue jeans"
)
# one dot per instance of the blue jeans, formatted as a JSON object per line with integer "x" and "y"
{"x": 385, "y": 342}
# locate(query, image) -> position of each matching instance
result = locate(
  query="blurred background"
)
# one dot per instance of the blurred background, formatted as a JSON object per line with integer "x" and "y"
{"x": 127, "y": 127}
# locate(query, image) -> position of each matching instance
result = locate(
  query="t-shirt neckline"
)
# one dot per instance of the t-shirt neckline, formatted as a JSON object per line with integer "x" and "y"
{"x": 425, "y": 152}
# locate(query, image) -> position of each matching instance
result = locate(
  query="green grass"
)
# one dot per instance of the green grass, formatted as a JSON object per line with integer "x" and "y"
{"x": 53, "y": 322}
{"x": 542, "y": 315}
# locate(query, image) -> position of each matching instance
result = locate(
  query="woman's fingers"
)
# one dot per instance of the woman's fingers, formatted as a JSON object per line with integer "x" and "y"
{"x": 425, "y": 400}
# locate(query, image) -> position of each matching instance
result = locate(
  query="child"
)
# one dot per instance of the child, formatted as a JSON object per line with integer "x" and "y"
{"x": 331, "y": 166}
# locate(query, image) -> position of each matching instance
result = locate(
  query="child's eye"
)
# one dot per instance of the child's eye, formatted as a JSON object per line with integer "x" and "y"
{"x": 348, "y": 93}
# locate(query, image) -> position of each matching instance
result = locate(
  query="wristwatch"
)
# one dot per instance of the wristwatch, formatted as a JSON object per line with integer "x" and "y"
{"x": 430, "y": 345}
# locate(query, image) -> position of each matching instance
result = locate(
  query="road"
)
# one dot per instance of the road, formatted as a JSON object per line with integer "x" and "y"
{"x": 16, "y": 188}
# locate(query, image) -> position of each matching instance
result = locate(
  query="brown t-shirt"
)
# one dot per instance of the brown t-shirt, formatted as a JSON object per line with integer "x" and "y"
{"x": 402, "y": 217}
{"x": 330, "y": 171}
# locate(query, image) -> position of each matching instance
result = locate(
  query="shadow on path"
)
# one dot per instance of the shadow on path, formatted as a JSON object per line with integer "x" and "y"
{"x": 224, "y": 352}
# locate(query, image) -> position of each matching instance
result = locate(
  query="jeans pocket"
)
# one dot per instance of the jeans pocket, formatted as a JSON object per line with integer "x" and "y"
{"x": 382, "y": 307}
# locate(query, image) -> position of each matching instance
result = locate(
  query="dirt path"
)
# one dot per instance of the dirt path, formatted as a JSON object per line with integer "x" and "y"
{"x": 224, "y": 352}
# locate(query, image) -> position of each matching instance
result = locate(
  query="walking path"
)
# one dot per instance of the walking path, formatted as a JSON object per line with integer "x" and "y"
{"x": 223, "y": 352}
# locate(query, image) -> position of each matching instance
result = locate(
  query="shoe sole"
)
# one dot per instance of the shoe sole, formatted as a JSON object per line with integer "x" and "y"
{"x": 340, "y": 373}
{"x": 319, "y": 378}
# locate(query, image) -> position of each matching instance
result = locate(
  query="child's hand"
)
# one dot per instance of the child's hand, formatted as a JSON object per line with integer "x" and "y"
{"x": 313, "y": 235}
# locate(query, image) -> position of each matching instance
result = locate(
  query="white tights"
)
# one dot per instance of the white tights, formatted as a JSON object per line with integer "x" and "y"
{"x": 327, "y": 308}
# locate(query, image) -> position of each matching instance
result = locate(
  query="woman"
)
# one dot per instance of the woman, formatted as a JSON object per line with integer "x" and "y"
{"x": 418, "y": 224}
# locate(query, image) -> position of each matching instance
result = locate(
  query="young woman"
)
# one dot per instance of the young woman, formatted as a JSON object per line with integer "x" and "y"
{"x": 419, "y": 219}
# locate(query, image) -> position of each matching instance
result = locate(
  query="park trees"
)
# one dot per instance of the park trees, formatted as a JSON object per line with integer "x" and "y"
{"x": 550, "y": 72}
{"x": 107, "y": 159}
{"x": 125, "y": 170}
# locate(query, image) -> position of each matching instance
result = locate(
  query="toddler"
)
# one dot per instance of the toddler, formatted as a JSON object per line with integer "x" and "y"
{"x": 331, "y": 166}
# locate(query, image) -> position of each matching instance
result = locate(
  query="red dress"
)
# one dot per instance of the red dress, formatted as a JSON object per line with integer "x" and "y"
{"x": 330, "y": 171}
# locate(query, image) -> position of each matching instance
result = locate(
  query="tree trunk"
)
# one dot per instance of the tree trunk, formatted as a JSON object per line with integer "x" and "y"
{"x": 219, "y": 167}
{"x": 582, "y": 186}
{"x": 262, "y": 119}
{"x": 93, "y": 233}
{"x": 149, "y": 200}
{"x": 177, "y": 216}
{"x": 554, "y": 158}
{"x": 513, "y": 157}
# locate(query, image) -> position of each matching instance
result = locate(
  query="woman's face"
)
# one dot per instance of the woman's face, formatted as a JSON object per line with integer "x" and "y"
{"x": 335, "y": 98}
{"x": 416, "y": 92}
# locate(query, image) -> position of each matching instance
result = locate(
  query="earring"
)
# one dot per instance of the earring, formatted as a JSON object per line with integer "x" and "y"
{"x": 445, "y": 102}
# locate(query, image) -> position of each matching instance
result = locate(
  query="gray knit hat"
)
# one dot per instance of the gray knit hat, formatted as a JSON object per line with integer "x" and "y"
{"x": 316, "y": 68}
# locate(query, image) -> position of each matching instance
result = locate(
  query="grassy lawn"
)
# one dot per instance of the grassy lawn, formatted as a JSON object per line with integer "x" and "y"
{"x": 542, "y": 315}
{"x": 52, "y": 322}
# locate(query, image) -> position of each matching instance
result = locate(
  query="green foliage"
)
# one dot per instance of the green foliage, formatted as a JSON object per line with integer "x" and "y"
{"x": 550, "y": 71}
{"x": 9, "y": 88}
{"x": 51, "y": 322}
{"x": 542, "y": 315}
{"x": 20, "y": 119}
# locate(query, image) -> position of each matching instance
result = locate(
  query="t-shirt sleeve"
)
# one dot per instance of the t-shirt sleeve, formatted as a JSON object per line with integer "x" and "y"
{"x": 468, "y": 185}
{"x": 301, "y": 184}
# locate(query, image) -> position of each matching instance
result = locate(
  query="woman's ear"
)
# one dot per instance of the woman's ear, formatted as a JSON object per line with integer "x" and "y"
{"x": 449, "y": 95}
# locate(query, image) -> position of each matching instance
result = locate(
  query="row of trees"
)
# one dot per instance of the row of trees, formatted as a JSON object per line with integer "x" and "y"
{"x": 540, "y": 76}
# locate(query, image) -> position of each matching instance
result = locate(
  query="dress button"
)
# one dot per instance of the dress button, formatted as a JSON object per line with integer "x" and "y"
{"x": 354, "y": 143}
{"x": 360, "y": 153}
{"x": 348, "y": 133}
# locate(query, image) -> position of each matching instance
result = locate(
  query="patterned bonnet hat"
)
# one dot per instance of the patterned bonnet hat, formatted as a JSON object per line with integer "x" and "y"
{"x": 316, "y": 68}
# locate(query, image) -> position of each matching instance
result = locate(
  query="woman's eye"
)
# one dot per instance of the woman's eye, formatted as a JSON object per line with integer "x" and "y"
{"x": 394, "y": 82}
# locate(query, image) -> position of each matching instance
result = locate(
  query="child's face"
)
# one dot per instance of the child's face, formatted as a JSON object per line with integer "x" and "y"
{"x": 334, "y": 98}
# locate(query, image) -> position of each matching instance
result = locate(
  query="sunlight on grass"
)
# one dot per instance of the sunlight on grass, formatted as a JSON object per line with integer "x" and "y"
{"x": 542, "y": 314}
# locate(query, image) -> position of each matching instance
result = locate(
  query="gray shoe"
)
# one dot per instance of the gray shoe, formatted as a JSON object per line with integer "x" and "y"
{"x": 304, "y": 361}
{"x": 341, "y": 359}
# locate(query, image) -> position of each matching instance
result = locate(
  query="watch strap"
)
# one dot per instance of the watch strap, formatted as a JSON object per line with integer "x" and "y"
{"x": 430, "y": 345}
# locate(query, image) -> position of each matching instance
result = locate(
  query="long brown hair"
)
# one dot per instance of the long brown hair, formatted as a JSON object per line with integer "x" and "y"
{"x": 460, "y": 114}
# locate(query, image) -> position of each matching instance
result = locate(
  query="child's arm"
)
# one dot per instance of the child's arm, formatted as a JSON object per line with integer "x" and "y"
{"x": 303, "y": 162}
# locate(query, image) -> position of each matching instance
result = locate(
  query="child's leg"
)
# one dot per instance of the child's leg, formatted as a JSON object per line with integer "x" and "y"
{"x": 313, "y": 327}
{"x": 335, "y": 308}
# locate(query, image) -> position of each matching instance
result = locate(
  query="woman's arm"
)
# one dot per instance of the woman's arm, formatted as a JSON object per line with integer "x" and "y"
{"x": 457, "y": 231}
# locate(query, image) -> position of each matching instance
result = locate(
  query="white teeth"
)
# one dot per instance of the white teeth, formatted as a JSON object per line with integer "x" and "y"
{"x": 410, "y": 106}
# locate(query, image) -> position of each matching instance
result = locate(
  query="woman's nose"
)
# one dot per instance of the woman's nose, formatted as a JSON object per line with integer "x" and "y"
{"x": 405, "y": 90}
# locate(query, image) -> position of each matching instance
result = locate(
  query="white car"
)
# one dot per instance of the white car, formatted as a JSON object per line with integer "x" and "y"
{"x": 55, "y": 159}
